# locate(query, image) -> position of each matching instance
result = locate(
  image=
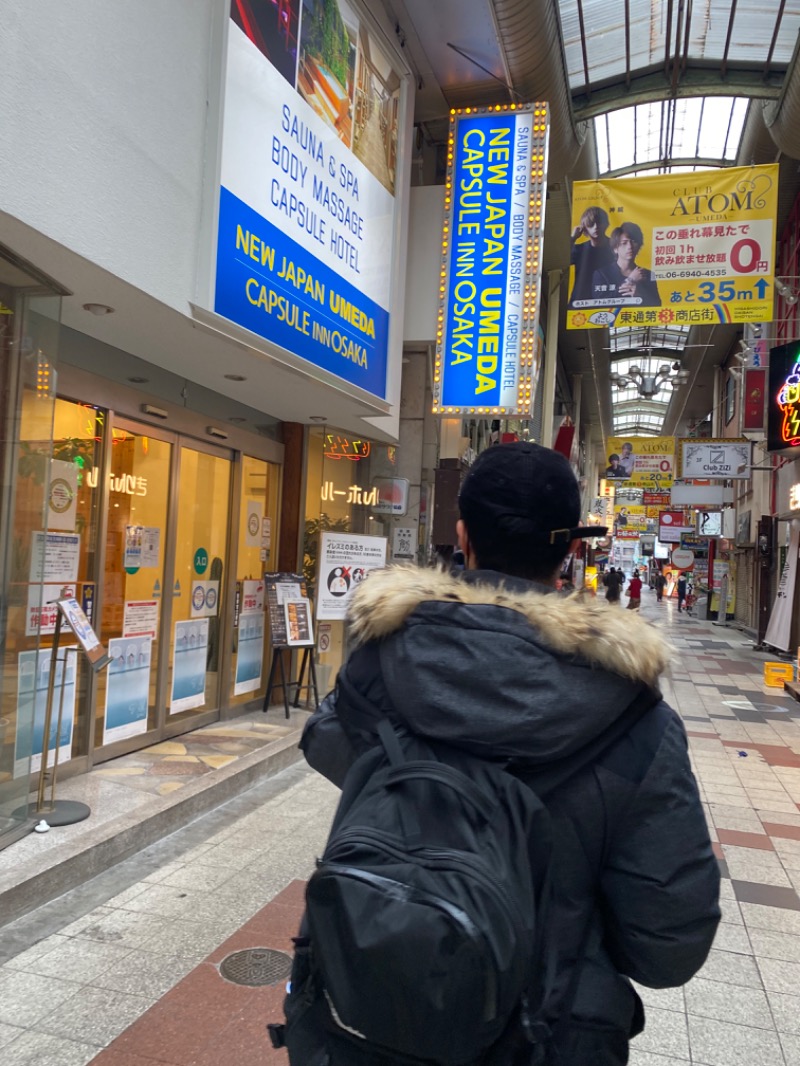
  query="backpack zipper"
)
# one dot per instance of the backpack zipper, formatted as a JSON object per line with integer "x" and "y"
{"x": 448, "y": 858}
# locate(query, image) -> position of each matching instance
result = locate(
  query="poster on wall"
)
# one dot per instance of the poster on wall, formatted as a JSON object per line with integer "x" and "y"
{"x": 345, "y": 560}
{"x": 189, "y": 665}
{"x": 62, "y": 499}
{"x": 486, "y": 359}
{"x": 142, "y": 546}
{"x": 311, "y": 136}
{"x": 33, "y": 676}
{"x": 783, "y": 399}
{"x": 205, "y": 599}
{"x": 645, "y": 463}
{"x": 652, "y": 251}
{"x": 127, "y": 688}
{"x": 282, "y": 589}
{"x": 54, "y": 562}
{"x": 249, "y": 652}
{"x": 140, "y": 618}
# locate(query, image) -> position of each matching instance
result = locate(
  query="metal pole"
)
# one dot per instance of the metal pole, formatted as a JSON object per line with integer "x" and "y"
{"x": 48, "y": 715}
{"x": 58, "y": 726}
{"x": 550, "y": 356}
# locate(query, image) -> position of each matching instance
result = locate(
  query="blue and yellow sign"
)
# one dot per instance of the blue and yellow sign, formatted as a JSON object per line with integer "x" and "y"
{"x": 674, "y": 249}
{"x": 487, "y": 357}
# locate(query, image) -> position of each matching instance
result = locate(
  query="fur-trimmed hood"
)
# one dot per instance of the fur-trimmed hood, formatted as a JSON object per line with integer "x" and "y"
{"x": 569, "y": 625}
{"x": 500, "y": 665}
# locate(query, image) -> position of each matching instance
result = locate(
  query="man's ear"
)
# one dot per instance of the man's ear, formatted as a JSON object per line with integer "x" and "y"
{"x": 462, "y": 537}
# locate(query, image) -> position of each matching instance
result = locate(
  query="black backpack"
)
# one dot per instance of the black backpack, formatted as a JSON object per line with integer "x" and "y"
{"x": 425, "y": 933}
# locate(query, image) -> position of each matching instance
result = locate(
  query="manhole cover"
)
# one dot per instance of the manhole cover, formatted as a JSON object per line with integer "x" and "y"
{"x": 256, "y": 966}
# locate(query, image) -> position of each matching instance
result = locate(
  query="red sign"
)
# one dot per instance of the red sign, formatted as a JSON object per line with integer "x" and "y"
{"x": 754, "y": 390}
{"x": 656, "y": 499}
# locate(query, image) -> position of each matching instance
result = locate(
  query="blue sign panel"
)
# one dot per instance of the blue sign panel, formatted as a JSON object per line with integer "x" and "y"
{"x": 487, "y": 359}
{"x": 271, "y": 285}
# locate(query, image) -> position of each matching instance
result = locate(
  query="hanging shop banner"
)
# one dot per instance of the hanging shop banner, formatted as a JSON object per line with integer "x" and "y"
{"x": 311, "y": 146}
{"x": 487, "y": 358}
{"x": 709, "y": 524}
{"x": 779, "y": 629}
{"x": 127, "y": 688}
{"x": 282, "y": 589}
{"x": 189, "y": 665}
{"x": 345, "y": 559}
{"x": 783, "y": 399}
{"x": 754, "y": 393}
{"x": 715, "y": 459}
{"x": 674, "y": 250}
{"x": 646, "y": 463}
{"x": 249, "y": 651}
{"x": 33, "y": 677}
{"x": 672, "y": 525}
{"x": 630, "y": 519}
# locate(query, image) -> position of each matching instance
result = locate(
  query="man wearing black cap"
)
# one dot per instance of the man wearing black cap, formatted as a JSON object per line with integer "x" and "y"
{"x": 496, "y": 663}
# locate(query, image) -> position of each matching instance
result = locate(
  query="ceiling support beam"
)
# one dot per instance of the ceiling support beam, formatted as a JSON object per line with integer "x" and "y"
{"x": 696, "y": 81}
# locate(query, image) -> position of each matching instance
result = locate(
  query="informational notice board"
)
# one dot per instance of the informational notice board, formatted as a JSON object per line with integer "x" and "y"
{"x": 282, "y": 589}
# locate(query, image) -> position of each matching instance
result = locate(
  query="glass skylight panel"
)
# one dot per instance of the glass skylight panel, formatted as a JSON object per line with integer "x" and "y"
{"x": 644, "y": 136}
{"x": 753, "y": 27}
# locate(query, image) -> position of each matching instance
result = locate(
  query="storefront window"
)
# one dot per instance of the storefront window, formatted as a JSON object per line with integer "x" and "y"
{"x": 258, "y": 510}
{"x": 350, "y": 488}
{"x": 28, "y": 349}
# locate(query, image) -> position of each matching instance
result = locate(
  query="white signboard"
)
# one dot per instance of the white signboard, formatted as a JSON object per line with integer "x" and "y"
{"x": 404, "y": 542}
{"x": 345, "y": 559}
{"x": 716, "y": 459}
{"x": 62, "y": 501}
{"x": 682, "y": 558}
{"x": 140, "y": 618}
{"x": 392, "y": 495}
{"x": 709, "y": 524}
{"x": 252, "y": 596}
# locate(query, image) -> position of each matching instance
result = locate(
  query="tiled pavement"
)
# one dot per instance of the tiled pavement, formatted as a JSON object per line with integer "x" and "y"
{"x": 125, "y": 971}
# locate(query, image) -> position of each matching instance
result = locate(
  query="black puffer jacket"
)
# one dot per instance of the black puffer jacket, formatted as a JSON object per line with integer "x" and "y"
{"x": 504, "y": 670}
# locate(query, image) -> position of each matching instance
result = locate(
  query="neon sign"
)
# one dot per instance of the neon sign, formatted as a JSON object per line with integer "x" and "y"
{"x": 789, "y": 403}
{"x": 338, "y": 447}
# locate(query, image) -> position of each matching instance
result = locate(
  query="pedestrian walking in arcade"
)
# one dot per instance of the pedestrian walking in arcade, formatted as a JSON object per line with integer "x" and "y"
{"x": 660, "y": 584}
{"x": 681, "y": 591}
{"x": 494, "y": 664}
{"x": 635, "y": 592}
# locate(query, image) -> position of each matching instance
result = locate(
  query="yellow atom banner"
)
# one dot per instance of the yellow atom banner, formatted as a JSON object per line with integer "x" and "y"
{"x": 641, "y": 462}
{"x": 675, "y": 249}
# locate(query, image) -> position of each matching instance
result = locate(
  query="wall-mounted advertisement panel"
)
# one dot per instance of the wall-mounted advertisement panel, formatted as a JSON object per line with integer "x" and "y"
{"x": 311, "y": 120}
{"x": 643, "y": 462}
{"x": 655, "y": 251}
{"x": 487, "y": 357}
{"x": 715, "y": 459}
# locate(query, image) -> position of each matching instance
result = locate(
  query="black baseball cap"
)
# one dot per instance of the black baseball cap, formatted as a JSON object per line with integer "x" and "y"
{"x": 526, "y": 492}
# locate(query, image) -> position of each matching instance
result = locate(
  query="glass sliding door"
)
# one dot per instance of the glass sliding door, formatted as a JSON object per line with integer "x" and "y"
{"x": 258, "y": 512}
{"x": 134, "y": 568}
{"x": 198, "y": 582}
